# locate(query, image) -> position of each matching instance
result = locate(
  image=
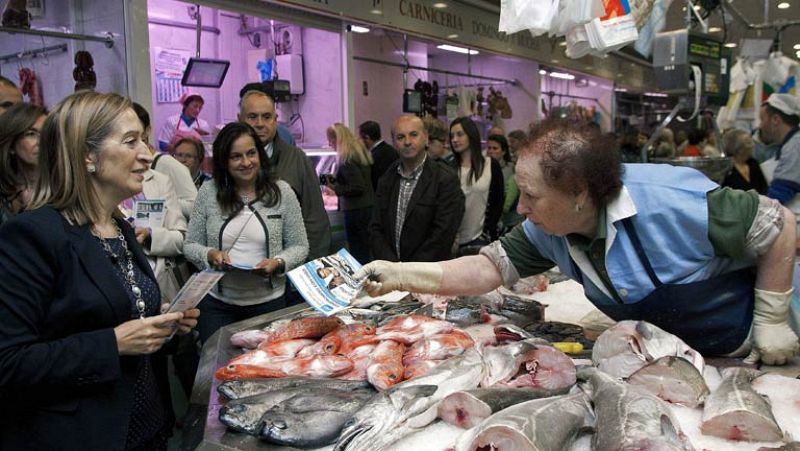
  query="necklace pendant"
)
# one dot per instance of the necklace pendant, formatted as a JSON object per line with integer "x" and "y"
{"x": 141, "y": 306}
{"x": 136, "y": 291}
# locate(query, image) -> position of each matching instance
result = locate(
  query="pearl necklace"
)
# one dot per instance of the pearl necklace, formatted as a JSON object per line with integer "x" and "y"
{"x": 126, "y": 268}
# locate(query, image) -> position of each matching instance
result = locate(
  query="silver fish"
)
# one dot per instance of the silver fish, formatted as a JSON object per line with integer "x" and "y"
{"x": 549, "y": 424}
{"x": 311, "y": 419}
{"x": 735, "y": 411}
{"x": 466, "y": 409}
{"x": 629, "y": 345}
{"x": 244, "y": 415}
{"x": 628, "y": 417}
{"x": 383, "y": 419}
{"x": 672, "y": 379}
{"x": 238, "y": 389}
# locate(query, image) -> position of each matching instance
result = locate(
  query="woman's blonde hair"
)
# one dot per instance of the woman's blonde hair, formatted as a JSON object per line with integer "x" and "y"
{"x": 74, "y": 130}
{"x": 347, "y": 146}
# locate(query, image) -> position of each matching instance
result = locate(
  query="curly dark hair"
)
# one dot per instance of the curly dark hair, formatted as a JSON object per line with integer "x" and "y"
{"x": 575, "y": 156}
{"x": 266, "y": 189}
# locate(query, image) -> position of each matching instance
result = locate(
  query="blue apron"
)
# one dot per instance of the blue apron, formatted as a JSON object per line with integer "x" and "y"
{"x": 713, "y": 316}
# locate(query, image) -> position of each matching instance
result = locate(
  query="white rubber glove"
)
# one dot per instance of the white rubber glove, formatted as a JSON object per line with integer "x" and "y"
{"x": 383, "y": 276}
{"x": 774, "y": 342}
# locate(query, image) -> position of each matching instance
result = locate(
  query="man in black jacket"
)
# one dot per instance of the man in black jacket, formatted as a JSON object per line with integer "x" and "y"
{"x": 419, "y": 203}
{"x": 383, "y": 155}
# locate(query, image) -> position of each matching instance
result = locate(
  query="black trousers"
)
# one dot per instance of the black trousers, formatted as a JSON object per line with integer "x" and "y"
{"x": 215, "y": 314}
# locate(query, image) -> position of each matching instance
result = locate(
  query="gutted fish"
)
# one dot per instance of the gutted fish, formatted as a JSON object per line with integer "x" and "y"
{"x": 672, "y": 379}
{"x": 736, "y": 412}
{"x": 542, "y": 366}
{"x": 628, "y": 417}
{"x": 629, "y": 345}
{"x": 466, "y": 409}
{"x": 549, "y": 424}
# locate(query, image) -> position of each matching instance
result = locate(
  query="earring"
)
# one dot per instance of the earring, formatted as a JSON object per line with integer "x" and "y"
{"x": 91, "y": 168}
{"x": 578, "y": 208}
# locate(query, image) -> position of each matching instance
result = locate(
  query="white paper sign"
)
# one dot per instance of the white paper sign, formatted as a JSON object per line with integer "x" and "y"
{"x": 148, "y": 213}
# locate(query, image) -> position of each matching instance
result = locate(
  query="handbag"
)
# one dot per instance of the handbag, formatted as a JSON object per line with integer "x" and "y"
{"x": 177, "y": 271}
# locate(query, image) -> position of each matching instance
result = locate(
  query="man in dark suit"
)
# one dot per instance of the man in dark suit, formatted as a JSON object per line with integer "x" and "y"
{"x": 419, "y": 202}
{"x": 383, "y": 155}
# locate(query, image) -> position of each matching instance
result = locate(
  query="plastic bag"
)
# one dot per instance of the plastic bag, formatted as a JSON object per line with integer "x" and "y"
{"x": 534, "y": 15}
{"x": 573, "y": 13}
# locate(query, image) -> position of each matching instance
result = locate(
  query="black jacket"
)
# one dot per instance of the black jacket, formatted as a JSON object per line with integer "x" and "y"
{"x": 432, "y": 218}
{"x": 383, "y": 155}
{"x": 59, "y": 365}
{"x": 353, "y": 186}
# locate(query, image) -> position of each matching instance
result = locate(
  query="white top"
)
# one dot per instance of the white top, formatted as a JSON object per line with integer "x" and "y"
{"x": 245, "y": 240}
{"x": 175, "y": 123}
{"x": 476, "y": 196}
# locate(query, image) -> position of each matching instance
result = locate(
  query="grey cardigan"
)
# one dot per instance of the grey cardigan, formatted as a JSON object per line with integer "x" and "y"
{"x": 286, "y": 234}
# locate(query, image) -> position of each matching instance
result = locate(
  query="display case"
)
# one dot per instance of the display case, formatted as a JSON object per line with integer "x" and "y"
{"x": 202, "y": 429}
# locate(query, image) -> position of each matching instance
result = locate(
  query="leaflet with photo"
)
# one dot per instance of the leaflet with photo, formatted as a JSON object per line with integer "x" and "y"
{"x": 148, "y": 213}
{"x": 194, "y": 290}
{"x": 327, "y": 283}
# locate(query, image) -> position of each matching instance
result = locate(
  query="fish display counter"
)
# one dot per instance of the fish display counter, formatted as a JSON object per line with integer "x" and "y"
{"x": 481, "y": 372}
{"x": 202, "y": 429}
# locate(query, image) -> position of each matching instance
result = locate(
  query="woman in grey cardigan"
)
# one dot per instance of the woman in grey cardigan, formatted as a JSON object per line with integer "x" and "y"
{"x": 247, "y": 224}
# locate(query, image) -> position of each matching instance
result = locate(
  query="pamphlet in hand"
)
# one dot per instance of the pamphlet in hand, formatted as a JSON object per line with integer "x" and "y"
{"x": 194, "y": 290}
{"x": 327, "y": 283}
{"x": 148, "y": 213}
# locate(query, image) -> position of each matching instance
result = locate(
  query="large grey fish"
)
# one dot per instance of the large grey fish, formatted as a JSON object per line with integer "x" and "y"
{"x": 629, "y": 345}
{"x": 311, "y": 419}
{"x": 735, "y": 411}
{"x": 238, "y": 389}
{"x": 629, "y": 418}
{"x": 549, "y": 424}
{"x": 672, "y": 379}
{"x": 466, "y": 409}
{"x": 244, "y": 415}
{"x": 383, "y": 419}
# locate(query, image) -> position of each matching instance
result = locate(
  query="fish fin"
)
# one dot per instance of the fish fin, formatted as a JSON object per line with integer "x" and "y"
{"x": 401, "y": 396}
{"x": 668, "y": 429}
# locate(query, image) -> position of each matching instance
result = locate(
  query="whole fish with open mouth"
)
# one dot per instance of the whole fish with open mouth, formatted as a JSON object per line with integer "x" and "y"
{"x": 735, "y": 411}
{"x": 311, "y": 419}
{"x": 383, "y": 419}
{"x": 244, "y": 415}
{"x": 466, "y": 409}
{"x": 549, "y": 424}
{"x": 629, "y": 418}
{"x": 629, "y": 345}
{"x": 238, "y": 389}
{"x": 672, "y": 379}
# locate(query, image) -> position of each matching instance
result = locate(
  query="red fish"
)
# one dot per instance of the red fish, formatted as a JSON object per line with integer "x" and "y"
{"x": 310, "y": 327}
{"x": 339, "y": 340}
{"x": 313, "y": 366}
{"x": 409, "y": 329}
{"x": 286, "y": 348}
{"x": 361, "y": 359}
{"x": 386, "y": 364}
{"x": 326, "y": 346}
{"x": 439, "y": 347}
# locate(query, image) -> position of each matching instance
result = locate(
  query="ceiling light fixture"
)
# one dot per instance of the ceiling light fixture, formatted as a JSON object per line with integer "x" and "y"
{"x": 452, "y": 36}
{"x": 562, "y": 75}
{"x": 796, "y": 47}
{"x": 452, "y": 48}
{"x": 440, "y": 5}
{"x": 620, "y": 90}
{"x": 784, "y": 5}
{"x": 731, "y": 45}
{"x": 359, "y": 29}
{"x": 656, "y": 94}
{"x": 714, "y": 30}
{"x": 542, "y": 72}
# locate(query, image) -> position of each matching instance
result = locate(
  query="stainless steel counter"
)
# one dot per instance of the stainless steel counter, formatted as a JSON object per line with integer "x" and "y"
{"x": 202, "y": 429}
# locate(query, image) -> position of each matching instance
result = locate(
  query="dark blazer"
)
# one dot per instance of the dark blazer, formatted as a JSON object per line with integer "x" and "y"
{"x": 494, "y": 203}
{"x": 353, "y": 186}
{"x": 758, "y": 182}
{"x": 432, "y": 218}
{"x": 383, "y": 155}
{"x": 59, "y": 365}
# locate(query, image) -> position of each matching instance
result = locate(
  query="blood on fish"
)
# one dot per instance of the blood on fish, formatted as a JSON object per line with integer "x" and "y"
{"x": 735, "y": 433}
